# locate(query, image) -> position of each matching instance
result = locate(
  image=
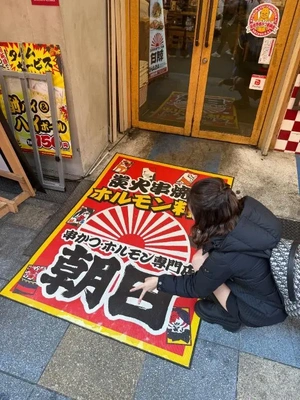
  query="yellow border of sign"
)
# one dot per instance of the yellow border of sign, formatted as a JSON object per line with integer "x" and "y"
{"x": 184, "y": 359}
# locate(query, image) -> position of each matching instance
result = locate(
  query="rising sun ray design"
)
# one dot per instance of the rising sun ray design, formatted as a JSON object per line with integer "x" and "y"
{"x": 158, "y": 233}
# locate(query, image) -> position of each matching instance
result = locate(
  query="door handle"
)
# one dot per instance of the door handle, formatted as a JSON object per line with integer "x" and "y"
{"x": 197, "y": 31}
{"x": 208, "y": 23}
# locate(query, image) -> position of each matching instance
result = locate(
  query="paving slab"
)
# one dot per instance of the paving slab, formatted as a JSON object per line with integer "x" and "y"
{"x": 187, "y": 152}
{"x": 294, "y": 324}
{"x": 28, "y": 339}
{"x": 88, "y": 366}
{"x": 30, "y": 216}
{"x": 3, "y": 282}
{"x": 57, "y": 196}
{"x": 216, "y": 334}
{"x": 48, "y": 205}
{"x": 12, "y": 388}
{"x": 13, "y": 242}
{"x": 212, "y": 376}
{"x": 264, "y": 178}
{"x": 275, "y": 343}
{"x": 7, "y": 195}
{"x": 43, "y": 394}
{"x": 261, "y": 379}
{"x": 137, "y": 143}
{"x": 60, "y": 214}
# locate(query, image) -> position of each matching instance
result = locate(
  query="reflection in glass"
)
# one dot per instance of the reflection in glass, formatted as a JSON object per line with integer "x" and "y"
{"x": 244, "y": 38}
{"x": 166, "y": 35}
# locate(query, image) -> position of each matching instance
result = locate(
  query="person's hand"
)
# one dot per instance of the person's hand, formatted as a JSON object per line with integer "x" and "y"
{"x": 148, "y": 286}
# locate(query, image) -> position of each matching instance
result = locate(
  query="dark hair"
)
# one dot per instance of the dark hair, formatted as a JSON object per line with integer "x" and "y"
{"x": 215, "y": 209}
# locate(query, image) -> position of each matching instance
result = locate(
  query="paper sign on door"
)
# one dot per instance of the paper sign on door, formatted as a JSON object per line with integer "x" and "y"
{"x": 158, "y": 60}
{"x": 257, "y": 82}
{"x": 266, "y": 51}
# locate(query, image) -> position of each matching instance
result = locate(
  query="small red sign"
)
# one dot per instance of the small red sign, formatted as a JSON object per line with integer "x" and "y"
{"x": 45, "y": 2}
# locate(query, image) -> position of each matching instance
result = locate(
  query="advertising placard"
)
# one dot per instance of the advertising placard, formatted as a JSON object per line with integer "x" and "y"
{"x": 158, "y": 61}
{"x": 132, "y": 223}
{"x": 38, "y": 59}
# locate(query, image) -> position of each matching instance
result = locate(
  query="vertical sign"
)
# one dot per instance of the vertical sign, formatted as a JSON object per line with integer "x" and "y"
{"x": 267, "y": 51}
{"x": 158, "y": 62}
{"x": 37, "y": 59}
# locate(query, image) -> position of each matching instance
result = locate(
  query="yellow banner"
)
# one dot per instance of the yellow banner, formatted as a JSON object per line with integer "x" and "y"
{"x": 38, "y": 59}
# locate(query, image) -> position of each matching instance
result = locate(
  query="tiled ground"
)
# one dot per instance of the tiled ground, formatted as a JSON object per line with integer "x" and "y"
{"x": 42, "y": 357}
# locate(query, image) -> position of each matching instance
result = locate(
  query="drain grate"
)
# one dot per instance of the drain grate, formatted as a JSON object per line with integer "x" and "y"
{"x": 291, "y": 229}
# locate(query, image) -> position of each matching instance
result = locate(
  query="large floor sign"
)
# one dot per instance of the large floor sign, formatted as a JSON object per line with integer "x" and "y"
{"x": 131, "y": 224}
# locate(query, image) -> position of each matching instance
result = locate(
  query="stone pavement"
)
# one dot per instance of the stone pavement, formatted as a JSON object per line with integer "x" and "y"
{"x": 43, "y": 357}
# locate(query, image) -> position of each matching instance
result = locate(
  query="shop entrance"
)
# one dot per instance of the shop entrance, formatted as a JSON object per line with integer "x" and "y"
{"x": 206, "y": 68}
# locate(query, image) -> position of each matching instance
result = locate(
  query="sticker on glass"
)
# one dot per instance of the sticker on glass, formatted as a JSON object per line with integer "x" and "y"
{"x": 267, "y": 51}
{"x": 263, "y": 20}
{"x": 257, "y": 82}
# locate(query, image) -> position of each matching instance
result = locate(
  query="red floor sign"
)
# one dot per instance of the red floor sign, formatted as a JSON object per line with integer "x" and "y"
{"x": 131, "y": 224}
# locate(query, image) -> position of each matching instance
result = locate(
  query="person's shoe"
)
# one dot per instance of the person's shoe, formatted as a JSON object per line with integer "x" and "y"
{"x": 216, "y": 54}
{"x": 215, "y": 314}
{"x": 228, "y": 52}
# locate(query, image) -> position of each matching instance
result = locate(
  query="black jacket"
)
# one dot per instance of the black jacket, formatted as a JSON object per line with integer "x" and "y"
{"x": 241, "y": 260}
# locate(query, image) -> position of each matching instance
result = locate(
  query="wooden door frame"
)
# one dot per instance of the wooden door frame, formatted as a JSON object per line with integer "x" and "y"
{"x": 196, "y": 86}
{"x": 284, "y": 86}
{"x": 269, "y": 89}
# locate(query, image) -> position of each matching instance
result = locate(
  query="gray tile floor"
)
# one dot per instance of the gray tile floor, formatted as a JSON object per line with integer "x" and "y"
{"x": 42, "y": 357}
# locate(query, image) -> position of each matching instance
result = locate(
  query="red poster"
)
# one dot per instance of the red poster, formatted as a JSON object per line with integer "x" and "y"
{"x": 45, "y": 2}
{"x": 131, "y": 224}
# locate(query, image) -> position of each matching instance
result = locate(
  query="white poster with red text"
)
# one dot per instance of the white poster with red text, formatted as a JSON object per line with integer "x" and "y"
{"x": 158, "y": 61}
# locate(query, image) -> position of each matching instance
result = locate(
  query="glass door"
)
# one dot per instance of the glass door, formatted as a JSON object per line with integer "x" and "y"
{"x": 206, "y": 68}
{"x": 165, "y": 63}
{"x": 243, "y": 41}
